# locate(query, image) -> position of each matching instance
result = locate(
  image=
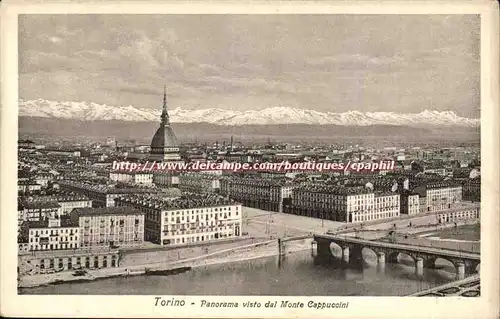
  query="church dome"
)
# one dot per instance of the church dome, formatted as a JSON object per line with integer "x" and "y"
{"x": 164, "y": 145}
{"x": 164, "y": 137}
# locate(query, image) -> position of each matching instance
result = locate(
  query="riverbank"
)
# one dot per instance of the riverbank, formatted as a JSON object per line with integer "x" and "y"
{"x": 247, "y": 252}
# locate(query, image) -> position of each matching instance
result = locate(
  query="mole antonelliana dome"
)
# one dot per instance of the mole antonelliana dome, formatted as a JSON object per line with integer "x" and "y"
{"x": 164, "y": 141}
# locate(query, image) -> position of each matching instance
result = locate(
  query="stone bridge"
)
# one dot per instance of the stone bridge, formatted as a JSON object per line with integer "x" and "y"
{"x": 282, "y": 242}
{"x": 465, "y": 263}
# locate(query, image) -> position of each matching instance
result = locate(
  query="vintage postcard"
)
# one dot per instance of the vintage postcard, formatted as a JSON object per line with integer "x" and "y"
{"x": 238, "y": 160}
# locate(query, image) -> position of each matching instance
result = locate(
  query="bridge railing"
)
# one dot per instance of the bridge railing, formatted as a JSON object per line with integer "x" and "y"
{"x": 459, "y": 249}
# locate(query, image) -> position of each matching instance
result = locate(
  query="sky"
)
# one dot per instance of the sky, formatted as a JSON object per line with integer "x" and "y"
{"x": 327, "y": 63}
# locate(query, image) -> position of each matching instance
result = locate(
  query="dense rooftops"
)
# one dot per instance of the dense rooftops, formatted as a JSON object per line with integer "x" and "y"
{"x": 38, "y": 205}
{"x": 26, "y": 182}
{"x": 129, "y": 172}
{"x": 277, "y": 182}
{"x": 332, "y": 189}
{"x": 443, "y": 184}
{"x": 201, "y": 176}
{"x": 52, "y": 198}
{"x": 107, "y": 189}
{"x": 105, "y": 211}
{"x": 473, "y": 181}
{"x": 186, "y": 201}
{"x": 64, "y": 222}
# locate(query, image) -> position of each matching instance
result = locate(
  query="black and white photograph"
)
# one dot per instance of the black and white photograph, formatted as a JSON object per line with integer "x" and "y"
{"x": 203, "y": 155}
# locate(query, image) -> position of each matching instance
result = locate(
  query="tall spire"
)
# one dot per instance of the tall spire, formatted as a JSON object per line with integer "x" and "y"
{"x": 164, "y": 115}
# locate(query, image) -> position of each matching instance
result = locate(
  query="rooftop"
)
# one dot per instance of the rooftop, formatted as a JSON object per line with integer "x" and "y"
{"x": 186, "y": 201}
{"x": 38, "y": 205}
{"x": 65, "y": 222}
{"x": 196, "y": 175}
{"x": 261, "y": 182}
{"x": 332, "y": 189}
{"x": 107, "y": 189}
{"x": 106, "y": 211}
{"x": 443, "y": 184}
{"x": 52, "y": 198}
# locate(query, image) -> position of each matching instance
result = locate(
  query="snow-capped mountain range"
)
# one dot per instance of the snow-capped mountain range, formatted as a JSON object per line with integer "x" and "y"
{"x": 275, "y": 115}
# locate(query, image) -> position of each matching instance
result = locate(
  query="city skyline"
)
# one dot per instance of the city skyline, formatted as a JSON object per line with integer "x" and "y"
{"x": 326, "y": 63}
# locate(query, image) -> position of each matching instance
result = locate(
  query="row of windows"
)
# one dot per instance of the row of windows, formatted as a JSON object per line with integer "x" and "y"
{"x": 36, "y": 239}
{"x": 54, "y": 231}
{"x": 53, "y": 246}
{"x": 196, "y": 231}
{"x": 153, "y": 212}
{"x": 106, "y": 241}
{"x": 334, "y": 196}
{"x": 373, "y": 217}
{"x": 198, "y": 217}
{"x": 75, "y": 204}
{"x": 193, "y": 239}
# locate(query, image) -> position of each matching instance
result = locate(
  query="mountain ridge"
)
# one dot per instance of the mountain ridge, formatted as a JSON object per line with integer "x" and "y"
{"x": 90, "y": 111}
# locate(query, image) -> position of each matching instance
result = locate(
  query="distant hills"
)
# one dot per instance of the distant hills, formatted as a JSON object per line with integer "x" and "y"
{"x": 89, "y": 111}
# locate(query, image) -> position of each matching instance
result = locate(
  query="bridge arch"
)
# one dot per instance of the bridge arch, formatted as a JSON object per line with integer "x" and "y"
{"x": 445, "y": 264}
{"x": 401, "y": 257}
{"x": 335, "y": 250}
{"x": 369, "y": 254}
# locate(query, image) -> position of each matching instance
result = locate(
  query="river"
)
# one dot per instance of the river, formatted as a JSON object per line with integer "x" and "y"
{"x": 295, "y": 274}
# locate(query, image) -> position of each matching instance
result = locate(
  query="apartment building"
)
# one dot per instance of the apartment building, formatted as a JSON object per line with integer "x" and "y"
{"x": 471, "y": 190}
{"x": 199, "y": 182}
{"x": 266, "y": 194}
{"x": 66, "y": 202}
{"x": 338, "y": 203}
{"x": 459, "y": 213}
{"x": 345, "y": 204}
{"x": 37, "y": 211}
{"x": 192, "y": 218}
{"x": 441, "y": 195}
{"x": 109, "y": 226}
{"x": 165, "y": 178}
{"x": 103, "y": 195}
{"x": 385, "y": 205}
{"x": 28, "y": 186}
{"x": 132, "y": 177}
{"x": 410, "y": 203}
{"x": 50, "y": 234}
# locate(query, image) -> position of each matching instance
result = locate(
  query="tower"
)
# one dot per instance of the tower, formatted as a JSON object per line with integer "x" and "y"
{"x": 164, "y": 145}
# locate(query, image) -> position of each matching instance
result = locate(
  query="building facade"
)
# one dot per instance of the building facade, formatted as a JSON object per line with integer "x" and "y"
{"x": 199, "y": 183}
{"x": 166, "y": 179}
{"x": 344, "y": 204}
{"x": 386, "y": 205}
{"x": 37, "y": 211}
{"x": 110, "y": 226}
{"x": 50, "y": 234}
{"x": 441, "y": 196}
{"x": 66, "y": 202}
{"x": 27, "y": 187}
{"x": 193, "y": 218}
{"x": 131, "y": 177}
{"x": 266, "y": 194}
{"x": 410, "y": 203}
{"x": 465, "y": 212}
{"x": 471, "y": 190}
{"x": 103, "y": 195}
